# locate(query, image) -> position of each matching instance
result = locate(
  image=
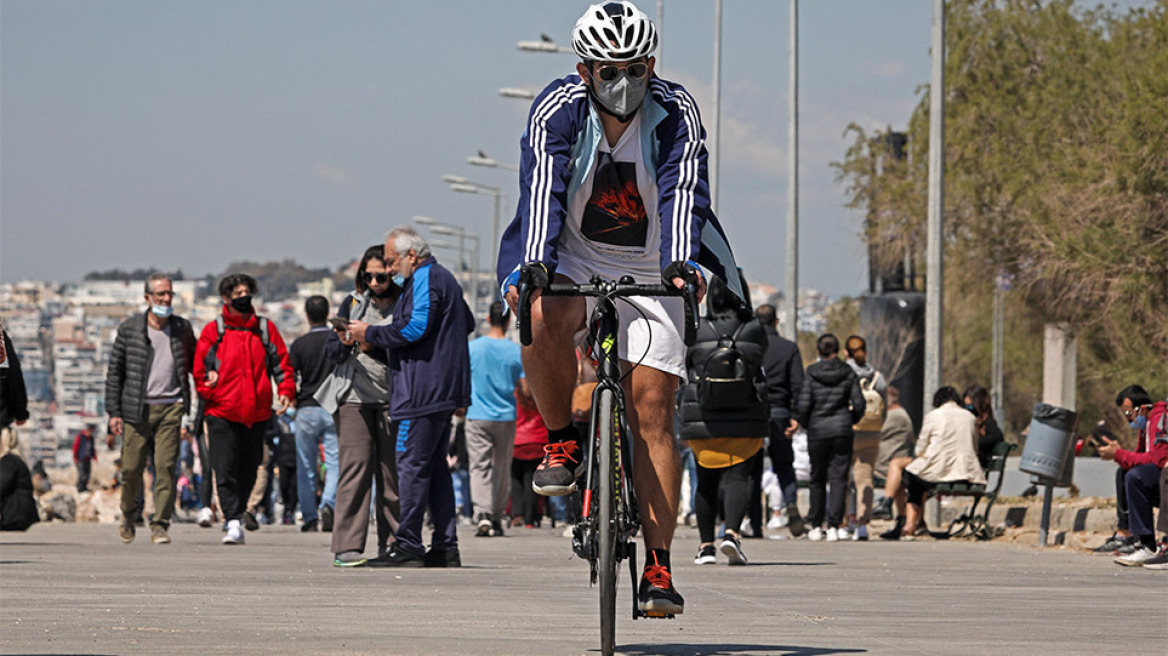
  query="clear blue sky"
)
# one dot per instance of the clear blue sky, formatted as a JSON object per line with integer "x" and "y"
{"x": 193, "y": 134}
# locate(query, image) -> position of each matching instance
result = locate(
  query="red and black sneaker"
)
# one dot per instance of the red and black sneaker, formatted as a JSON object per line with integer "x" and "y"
{"x": 656, "y": 594}
{"x": 556, "y": 475}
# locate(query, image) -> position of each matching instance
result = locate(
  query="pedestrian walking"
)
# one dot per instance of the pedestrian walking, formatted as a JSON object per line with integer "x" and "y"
{"x": 496, "y": 372}
{"x": 830, "y": 402}
{"x": 314, "y": 424}
{"x": 148, "y": 398}
{"x": 238, "y": 359}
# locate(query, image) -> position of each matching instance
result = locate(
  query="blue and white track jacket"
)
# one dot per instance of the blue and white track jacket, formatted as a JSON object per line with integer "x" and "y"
{"x": 429, "y": 360}
{"x": 559, "y": 149}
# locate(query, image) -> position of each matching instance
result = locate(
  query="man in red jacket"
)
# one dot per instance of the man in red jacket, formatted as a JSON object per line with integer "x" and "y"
{"x": 237, "y": 360}
{"x": 1141, "y": 470}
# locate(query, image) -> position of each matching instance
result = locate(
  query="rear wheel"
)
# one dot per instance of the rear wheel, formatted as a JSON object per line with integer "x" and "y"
{"x": 608, "y": 473}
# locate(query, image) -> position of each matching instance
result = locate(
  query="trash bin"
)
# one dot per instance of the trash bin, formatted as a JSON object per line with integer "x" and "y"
{"x": 1048, "y": 450}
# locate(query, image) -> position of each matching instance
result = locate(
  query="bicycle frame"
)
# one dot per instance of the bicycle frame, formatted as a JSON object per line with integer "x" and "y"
{"x": 610, "y": 519}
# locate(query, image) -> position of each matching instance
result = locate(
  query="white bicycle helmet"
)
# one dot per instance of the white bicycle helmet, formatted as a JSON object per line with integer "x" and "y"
{"x": 614, "y": 32}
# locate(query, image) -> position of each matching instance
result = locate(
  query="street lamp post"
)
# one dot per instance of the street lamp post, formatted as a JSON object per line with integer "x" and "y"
{"x": 470, "y": 284}
{"x": 462, "y": 185}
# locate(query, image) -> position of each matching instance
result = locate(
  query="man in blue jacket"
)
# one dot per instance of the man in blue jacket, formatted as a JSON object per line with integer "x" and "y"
{"x": 429, "y": 374}
{"x": 613, "y": 182}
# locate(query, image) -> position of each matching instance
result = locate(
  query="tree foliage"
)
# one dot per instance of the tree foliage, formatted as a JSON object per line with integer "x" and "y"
{"x": 277, "y": 279}
{"x": 141, "y": 273}
{"x": 1056, "y": 175}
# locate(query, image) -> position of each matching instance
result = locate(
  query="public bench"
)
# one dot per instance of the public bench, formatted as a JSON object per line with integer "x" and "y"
{"x": 974, "y": 522}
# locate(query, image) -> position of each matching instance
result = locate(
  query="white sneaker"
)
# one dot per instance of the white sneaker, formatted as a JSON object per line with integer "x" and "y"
{"x": 206, "y": 517}
{"x": 833, "y": 534}
{"x": 1136, "y": 558}
{"x": 815, "y": 535}
{"x": 861, "y": 534}
{"x": 843, "y": 533}
{"x": 234, "y": 533}
{"x": 776, "y": 522}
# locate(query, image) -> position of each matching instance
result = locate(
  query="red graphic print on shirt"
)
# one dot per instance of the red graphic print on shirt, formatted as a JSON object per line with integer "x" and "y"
{"x": 615, "y": 213}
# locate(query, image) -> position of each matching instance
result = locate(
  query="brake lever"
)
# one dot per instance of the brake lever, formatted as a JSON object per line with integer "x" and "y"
{"x": 691, "y": 309}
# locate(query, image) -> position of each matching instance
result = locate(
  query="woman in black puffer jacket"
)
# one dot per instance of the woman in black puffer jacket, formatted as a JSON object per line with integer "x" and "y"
{"x": 830, "y": 402}
{"x": 724, "y": 415}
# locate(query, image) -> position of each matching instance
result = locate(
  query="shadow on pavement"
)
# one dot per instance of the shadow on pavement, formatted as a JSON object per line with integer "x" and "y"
{"x": 731, "y": 650}
{"x": 812, "y": 564}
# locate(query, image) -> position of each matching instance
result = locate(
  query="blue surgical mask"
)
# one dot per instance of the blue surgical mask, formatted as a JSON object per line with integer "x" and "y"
{"x": 399, "y": 280}
{"x": 162, "y": 311}
{"x": 290, "y": 413}
{"x": 1140, "y": 423}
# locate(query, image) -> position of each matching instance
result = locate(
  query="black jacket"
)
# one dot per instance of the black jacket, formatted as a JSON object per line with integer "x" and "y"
{"x": 18, "y": 509}
{"x": 784, "y": 372}
{"x": 310, "y": 364}
{"x": 829, "y": 389}
{"x": 718, "y": 328}
{"x": 13, "y": 397}
{"x": 129, "y": 366}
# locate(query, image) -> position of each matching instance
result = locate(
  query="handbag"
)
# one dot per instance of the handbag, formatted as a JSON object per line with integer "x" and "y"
{"x": 337, "y": 384}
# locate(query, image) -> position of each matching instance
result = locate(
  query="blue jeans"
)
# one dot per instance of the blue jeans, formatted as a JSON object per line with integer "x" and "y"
{"x": 313, "y": 426}
{"x": 690, "y": 464}
{"x": 461, "y": 480}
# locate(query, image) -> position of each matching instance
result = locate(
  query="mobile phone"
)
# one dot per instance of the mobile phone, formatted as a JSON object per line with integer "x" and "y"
{"x": 339, "y": 323}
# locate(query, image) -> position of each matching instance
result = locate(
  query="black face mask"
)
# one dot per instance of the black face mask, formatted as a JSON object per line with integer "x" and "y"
{"x": 242, "y": 304}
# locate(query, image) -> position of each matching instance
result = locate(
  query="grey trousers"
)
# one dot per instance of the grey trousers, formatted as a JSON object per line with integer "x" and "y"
{"x": 489, "y": 445}
{"x": 367, "y": 453}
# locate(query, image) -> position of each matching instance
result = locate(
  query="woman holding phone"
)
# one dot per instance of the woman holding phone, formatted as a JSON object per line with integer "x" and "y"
{"x": 359, "y": 391}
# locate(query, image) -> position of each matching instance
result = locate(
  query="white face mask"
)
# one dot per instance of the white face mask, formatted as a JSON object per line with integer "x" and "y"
{"x": 622, "y": 97}
{"x": 163, "y": 311}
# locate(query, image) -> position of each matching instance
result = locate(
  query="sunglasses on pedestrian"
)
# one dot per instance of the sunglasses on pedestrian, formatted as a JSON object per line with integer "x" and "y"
{"x": 608, "y": 72}
{"x": 381, "y": 278}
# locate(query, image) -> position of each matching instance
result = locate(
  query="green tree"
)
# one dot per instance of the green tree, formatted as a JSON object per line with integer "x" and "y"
{"x": 1056, "y": 140}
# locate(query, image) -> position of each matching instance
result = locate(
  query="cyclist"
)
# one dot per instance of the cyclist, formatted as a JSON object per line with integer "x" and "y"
{"x": 613, "y": 183}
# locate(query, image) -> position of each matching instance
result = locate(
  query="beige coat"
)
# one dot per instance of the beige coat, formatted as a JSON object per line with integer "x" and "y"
{"x": 947, "y": 447}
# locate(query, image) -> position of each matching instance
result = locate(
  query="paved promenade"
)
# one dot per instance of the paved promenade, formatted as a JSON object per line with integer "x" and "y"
{"x": 75, "y": 589}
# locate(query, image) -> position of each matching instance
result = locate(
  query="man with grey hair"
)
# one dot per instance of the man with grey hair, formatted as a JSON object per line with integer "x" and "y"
{"x": 429, "y": 366}
{"x": 147, "y": 398}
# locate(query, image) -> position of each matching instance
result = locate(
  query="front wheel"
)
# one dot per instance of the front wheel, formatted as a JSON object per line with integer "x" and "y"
{"x": 608, "y": 474}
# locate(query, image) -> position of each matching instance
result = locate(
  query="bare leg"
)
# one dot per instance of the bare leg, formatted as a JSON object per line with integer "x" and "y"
{"x": 550, "y": 362}
{"x": 657, "y": 471}
{"x": 892, "y": 485}
{"x": 914, "y": 519}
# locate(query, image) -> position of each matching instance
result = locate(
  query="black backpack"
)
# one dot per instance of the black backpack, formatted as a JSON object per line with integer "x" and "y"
{"x": 727, "y": 382}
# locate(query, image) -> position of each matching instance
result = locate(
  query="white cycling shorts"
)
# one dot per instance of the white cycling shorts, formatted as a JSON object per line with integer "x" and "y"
{"x": 652, "y": 336}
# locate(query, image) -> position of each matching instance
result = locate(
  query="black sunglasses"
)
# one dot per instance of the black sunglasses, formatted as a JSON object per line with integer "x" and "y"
{"x": 381, "y": 278}
{"x": 608, "y": 73}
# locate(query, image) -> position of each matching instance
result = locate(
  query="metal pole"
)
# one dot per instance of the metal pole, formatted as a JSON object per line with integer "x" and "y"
{"x": 998, "y": 350}
{"x": 716, "y": 121}
{"x": 495, "y": 234}
{"x": 934, "y": 283}
{"x": 660, "y": 33}
{"x": 792, "y": 281}
{"x": 474, "y": 293}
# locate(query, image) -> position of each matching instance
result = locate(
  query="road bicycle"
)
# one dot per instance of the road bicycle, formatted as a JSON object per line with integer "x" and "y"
{"x": 609, "y": 519}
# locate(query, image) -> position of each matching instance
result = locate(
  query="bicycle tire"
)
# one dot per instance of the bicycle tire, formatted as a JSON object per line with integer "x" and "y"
{"x": 609, "y": 472}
